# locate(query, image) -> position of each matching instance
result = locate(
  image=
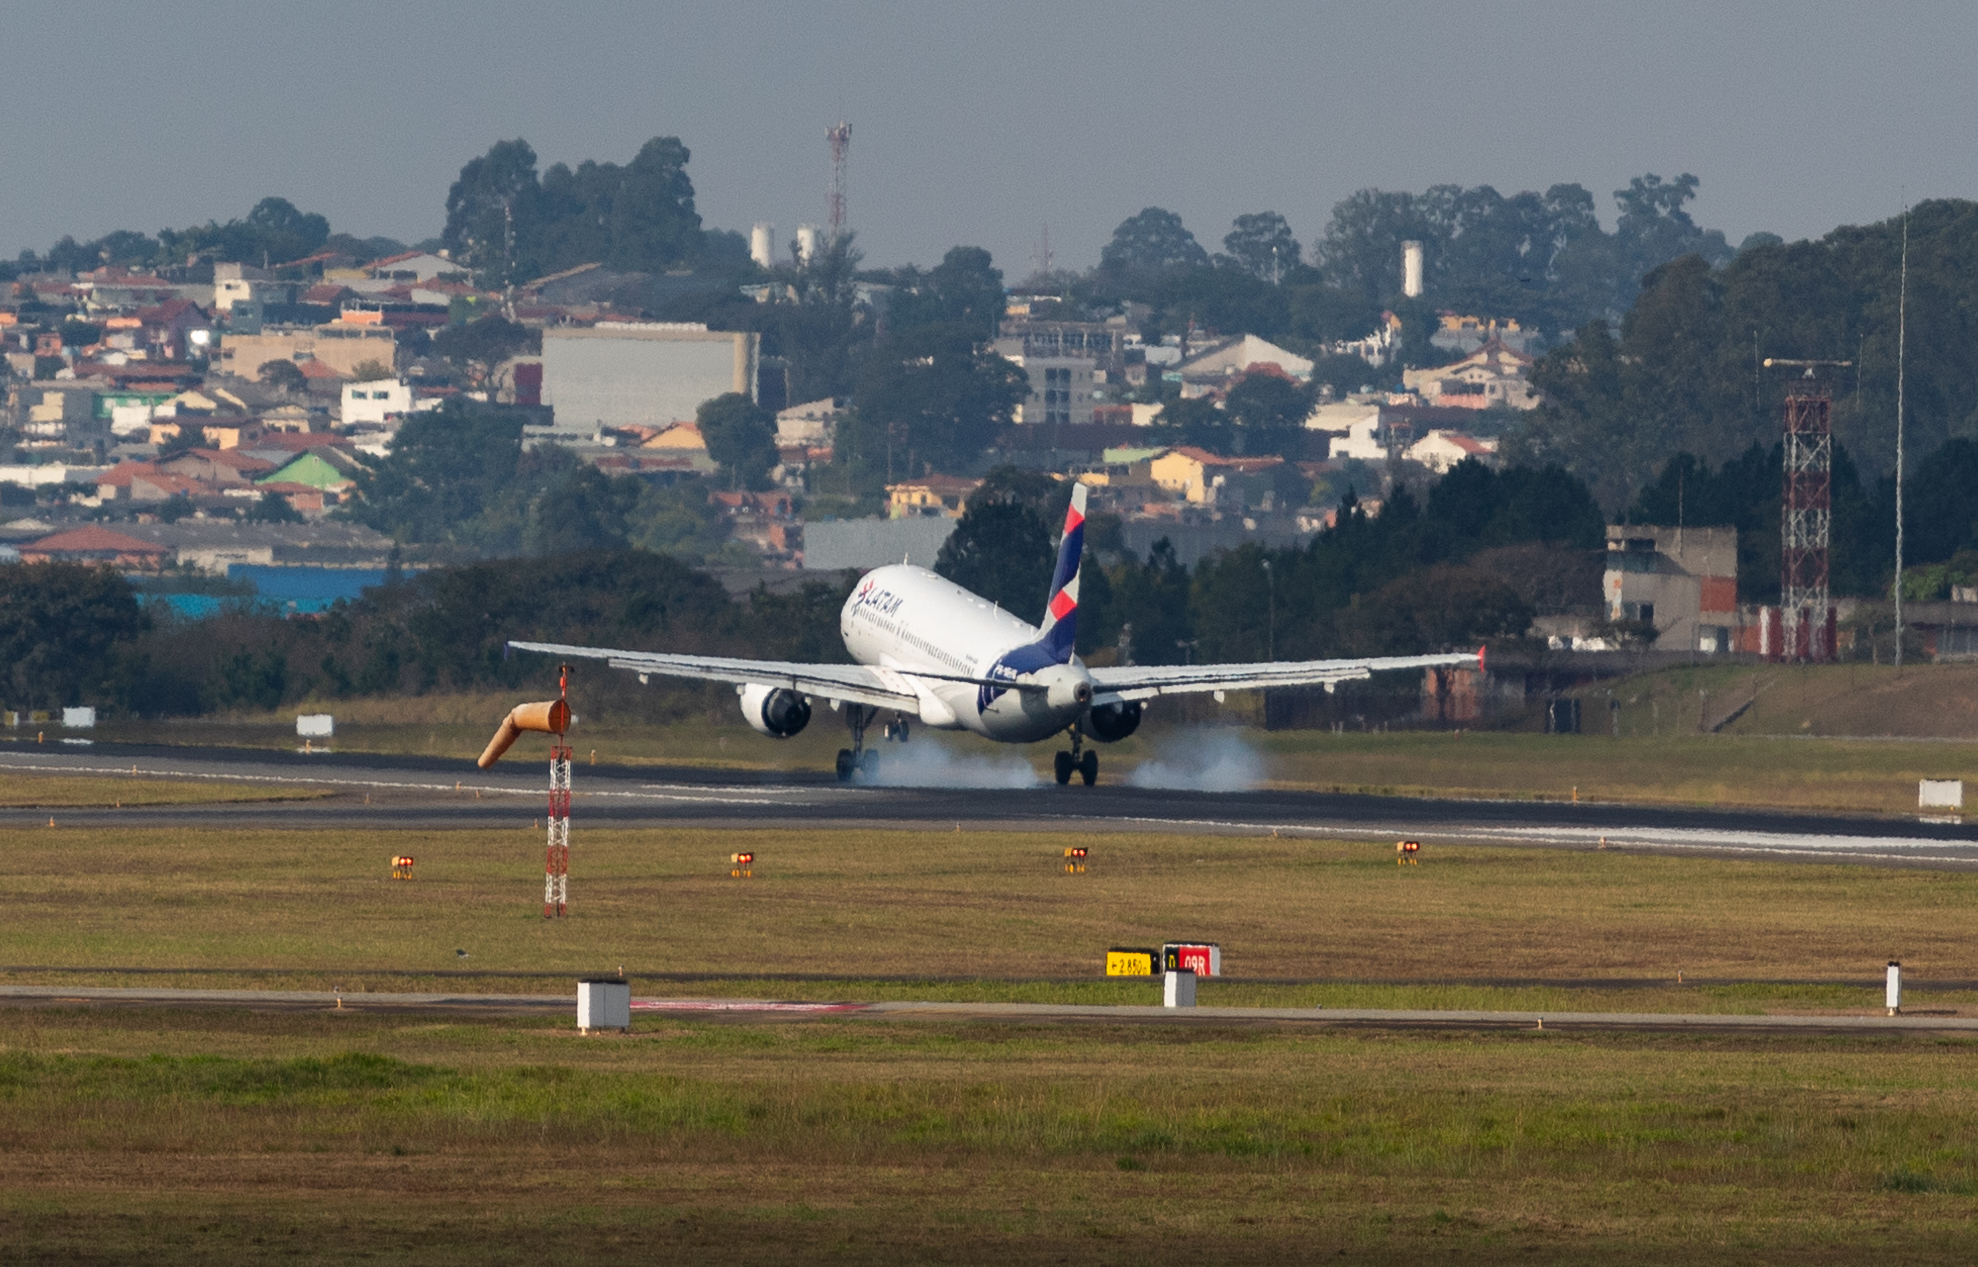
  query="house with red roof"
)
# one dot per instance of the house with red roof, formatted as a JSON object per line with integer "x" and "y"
{"x": 1439, "y": 450}
{"x": 93, "y": 543}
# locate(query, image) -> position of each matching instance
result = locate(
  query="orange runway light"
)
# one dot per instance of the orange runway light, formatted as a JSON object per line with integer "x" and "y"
{"x": 1407, "y": 853}
{"x": 401, "y": 866}
{"x": 744, "y": 865}
{"x": 1075, "y": 860}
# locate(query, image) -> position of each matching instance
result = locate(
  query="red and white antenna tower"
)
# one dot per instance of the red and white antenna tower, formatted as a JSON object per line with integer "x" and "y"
{"x": 1806, "y": 616}
{"x": 841, "y": 149}
{"x": 556, "y": 864}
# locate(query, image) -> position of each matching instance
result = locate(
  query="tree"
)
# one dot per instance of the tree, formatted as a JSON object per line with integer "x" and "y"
{"x": 1270, "y": 412}
{"x": 1152, "y": 242}
{"x": 445, "y": 468}
{"x": 586, "y": 510}
{"x": 478, "y": 347}
{"x": 61, "y": 628}
{"x": 1197, "y": 421}
{"x": 273, "y": 508}
{"x": 1002, "y": 551}
{"x": 510, "y": 225}
{"x": 933, "y": 398}
{"x": 965, "y": 289}
{"x": 740, "y": 437}
{"x": 371, "y": 372}
{"x": 1262, "y": 246}
{"x": 491, "y": 210}
{"x": 283, "y": 375}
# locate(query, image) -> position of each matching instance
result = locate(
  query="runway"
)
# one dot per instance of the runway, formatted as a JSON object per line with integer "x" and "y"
{"x": 378, "y": 792}
{"x": 772, "y": 1010}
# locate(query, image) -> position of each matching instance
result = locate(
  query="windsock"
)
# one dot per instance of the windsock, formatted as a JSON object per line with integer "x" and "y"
{"x": 552, "y": 718}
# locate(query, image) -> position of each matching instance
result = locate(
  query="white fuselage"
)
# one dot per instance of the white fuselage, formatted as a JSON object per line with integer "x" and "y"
{"x": 909, "y": 620}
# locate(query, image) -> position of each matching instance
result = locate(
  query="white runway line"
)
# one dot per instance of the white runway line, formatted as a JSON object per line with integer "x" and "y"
{"x": 650, "y": 792}
{"x": 1685, "y": 839}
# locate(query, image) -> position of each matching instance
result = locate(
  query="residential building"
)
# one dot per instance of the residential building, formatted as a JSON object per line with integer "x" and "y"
{"x": 619, "y": 374}
{"x": 1068, "y": 364}
{"x": 1465, "y": 334}
{"x": 337, "y": 345}
{"x": 1209, "y": 479}
{"x": 381, "y": 402}
{"x": 1231, "y": 359}
{"x": 94, "y": 543}
{"x": 1439, "y": 450}
{"x": 928, "y": 496}
{"x": 1494, "y": 375}
{"x": 813, "y": 424}
{"x": 245, "y": 284}
{"x": 1681, "y": 581}
{"x": 416, "y": 266}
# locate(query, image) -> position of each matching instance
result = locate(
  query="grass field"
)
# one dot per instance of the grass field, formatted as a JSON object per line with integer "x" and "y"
{"x": 199, "y": 1137}
{"x": 244, "y": 1138}
{"x": 53, "y": 791}
{"x": 319, "y": 908}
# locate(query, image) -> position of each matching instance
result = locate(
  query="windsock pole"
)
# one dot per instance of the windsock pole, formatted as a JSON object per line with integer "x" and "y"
{"x": 556, "y": 866}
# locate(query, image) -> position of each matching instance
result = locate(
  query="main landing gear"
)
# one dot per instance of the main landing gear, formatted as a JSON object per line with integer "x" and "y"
{"x": 858, "y": 761}
{"x": 855, "y": 760}
{"x": 1080, "y": 760}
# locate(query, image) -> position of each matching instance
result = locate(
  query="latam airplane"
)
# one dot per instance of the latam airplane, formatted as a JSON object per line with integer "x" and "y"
{"x": 927, "y": 649}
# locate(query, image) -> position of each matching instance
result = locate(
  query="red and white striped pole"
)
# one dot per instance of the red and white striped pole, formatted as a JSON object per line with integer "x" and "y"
{"x": 556, "y": 866}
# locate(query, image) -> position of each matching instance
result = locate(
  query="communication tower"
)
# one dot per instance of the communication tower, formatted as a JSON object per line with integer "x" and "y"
{"x": 840, "y": 138}
{"x": 1806, "y": 616}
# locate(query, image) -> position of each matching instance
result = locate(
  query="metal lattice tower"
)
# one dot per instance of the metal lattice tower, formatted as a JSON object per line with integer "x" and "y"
{"x": 841, "y": 149}
{"x": 1807, "y": 518}
{"x": 556, "y": 863}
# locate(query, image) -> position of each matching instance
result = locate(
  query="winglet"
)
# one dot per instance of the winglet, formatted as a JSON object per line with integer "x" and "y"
{"x": 1061, "y": 612}
{"x": 1480, "y": 658}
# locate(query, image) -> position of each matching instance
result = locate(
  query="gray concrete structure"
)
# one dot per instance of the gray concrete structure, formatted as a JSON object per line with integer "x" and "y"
{"x": 870, "y": 543}
{"x": 642, "y": 374}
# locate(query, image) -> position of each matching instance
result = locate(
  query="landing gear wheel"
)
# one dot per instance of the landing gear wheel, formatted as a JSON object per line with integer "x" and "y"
{"x": 1064, "y": 764}
{"x": 903, "y": 730}
{"x": 844, "y": 765}
{"x": 1088, "y": 769}
{"x": 869, "y": 766}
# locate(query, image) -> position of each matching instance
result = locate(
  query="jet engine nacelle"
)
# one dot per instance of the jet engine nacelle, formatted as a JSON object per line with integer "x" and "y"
{"x": 775, "y": 711}
{"x": 1110, "y": 723}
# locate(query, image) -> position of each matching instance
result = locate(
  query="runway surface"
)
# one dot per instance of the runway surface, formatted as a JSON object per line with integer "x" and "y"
{"x": 760, "y": 1010}
{"x": 377, "y": 792}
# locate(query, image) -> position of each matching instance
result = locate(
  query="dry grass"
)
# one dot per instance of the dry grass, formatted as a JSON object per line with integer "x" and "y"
{"x": 862, "y": 903}
{"x": 172, "y": 1137}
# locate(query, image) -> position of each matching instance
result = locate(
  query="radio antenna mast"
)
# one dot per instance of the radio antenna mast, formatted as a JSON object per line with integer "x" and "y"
{"x": 840, "y": 138}
{"x": 1902, "y": 332}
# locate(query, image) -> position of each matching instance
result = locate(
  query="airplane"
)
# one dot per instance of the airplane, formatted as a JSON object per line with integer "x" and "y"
{"x": 931, "y": 651}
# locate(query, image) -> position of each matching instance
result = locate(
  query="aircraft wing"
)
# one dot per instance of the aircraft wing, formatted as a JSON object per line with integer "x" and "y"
{"x": 1135, "y": 682}
{"x": 854, "y": 683}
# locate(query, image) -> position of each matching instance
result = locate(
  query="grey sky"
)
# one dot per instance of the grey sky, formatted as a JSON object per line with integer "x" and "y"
{"x": 980, "y": 123}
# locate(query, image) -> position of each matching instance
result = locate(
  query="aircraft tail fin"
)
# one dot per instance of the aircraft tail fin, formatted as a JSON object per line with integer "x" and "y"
{"x": 1061, "y": 611}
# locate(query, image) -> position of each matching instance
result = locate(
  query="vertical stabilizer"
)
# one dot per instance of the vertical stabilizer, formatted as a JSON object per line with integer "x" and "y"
{"x": 1061, "y": 612}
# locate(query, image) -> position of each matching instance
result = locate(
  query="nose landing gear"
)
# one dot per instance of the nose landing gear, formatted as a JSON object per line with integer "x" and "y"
{"x": 1081, "y": 761}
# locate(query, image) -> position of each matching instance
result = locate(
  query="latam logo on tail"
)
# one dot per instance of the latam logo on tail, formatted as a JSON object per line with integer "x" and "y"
{"x": 928, "y": 651}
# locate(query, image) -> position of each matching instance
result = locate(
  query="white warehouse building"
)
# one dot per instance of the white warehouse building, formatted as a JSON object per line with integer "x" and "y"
{"x": 618, "y": 374}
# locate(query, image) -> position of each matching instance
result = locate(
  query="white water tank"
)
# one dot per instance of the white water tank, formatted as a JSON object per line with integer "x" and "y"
{"x": 807, "y": 242}
{"x": 1411, "y": 269}
{"x": 762, "y": 244}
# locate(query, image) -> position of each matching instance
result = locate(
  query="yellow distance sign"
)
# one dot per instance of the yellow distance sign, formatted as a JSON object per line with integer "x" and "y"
{"x": 1130, "y": 963}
